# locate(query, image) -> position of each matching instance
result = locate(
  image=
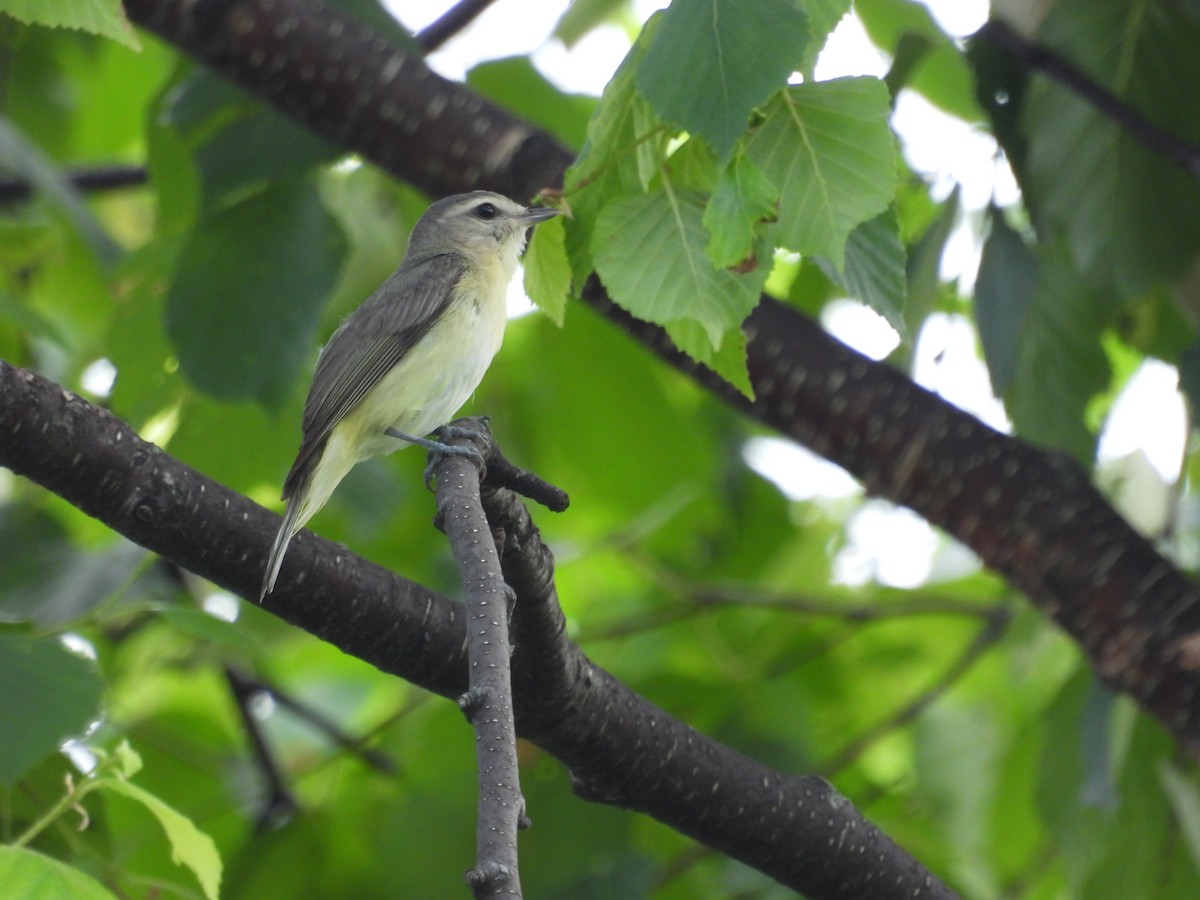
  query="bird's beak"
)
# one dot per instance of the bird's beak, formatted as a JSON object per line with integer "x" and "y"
{"x": 535, "y": 214}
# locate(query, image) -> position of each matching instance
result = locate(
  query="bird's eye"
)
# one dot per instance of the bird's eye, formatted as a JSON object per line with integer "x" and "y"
{"x": 485, "y": 211}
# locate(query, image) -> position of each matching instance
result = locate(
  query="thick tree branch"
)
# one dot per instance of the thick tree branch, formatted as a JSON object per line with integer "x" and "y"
{"x": 350, "y": 85}
{"x": 619, "y": 747}
{"x": 1030, "y": 515}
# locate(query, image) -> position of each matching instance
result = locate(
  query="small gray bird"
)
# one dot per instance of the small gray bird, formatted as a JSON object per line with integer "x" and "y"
{"x": 404, "y": 362}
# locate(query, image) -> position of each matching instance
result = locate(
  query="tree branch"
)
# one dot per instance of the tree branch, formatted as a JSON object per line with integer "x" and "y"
{"x": 100, "y": 178}
{"x": 451, "y": 23}
{"x": 619, "y": 747}
{"x": 280, "y": 804}
{"x": 379, "y": 100}
{"x": 488, "y": 702}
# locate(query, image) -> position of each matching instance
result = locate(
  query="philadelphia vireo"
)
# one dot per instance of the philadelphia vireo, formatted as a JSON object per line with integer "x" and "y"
{"x": 404, "y": 362}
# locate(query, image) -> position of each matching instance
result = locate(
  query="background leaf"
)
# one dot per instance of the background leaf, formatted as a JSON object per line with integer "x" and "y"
{"x": 47, "y": 694}
{"x": 1128, "y": 216}
{"x": 189, "y": 846}
{"x": 874, "y": 269}
{"x": 246, "y": 333}
{"x": 1005, "y": 289}
{"x": 27, "y": 875}
{"x": 1061, "y": 362}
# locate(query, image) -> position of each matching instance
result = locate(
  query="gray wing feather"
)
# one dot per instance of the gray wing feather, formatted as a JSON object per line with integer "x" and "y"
{"x": 367, "y": 345}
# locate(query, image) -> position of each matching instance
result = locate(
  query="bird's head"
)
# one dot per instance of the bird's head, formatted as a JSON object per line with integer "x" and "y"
{"x": 480, "y": 222}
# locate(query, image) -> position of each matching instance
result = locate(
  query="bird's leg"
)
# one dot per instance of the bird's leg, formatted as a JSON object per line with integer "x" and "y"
{"x": 439, "y": 447}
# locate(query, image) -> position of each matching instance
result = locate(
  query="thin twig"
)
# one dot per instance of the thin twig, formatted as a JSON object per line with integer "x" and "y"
{"x": 451, "y": 23}
{"x": 280, "y": 804}
{"x": 488, "y": 701}
{"x": 694, "y": 600}
{"x": 1108, "y": 104}
{"x": 502, "y": 473}
{"x": 101, "y": 178}
{"x": 709, "y": 600}
{"x": 992, "y": 632}
{"x": 318, "y": 720}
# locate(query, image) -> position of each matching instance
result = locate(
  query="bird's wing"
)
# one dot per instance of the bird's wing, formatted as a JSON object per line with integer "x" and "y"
{"x": 367, "y": 345}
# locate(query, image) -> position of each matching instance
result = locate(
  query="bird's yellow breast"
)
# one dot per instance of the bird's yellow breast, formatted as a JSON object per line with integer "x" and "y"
{"x": 428, "y": 386}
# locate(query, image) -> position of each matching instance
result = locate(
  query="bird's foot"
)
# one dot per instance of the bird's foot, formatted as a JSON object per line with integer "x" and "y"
{"x": 440, "y": 448}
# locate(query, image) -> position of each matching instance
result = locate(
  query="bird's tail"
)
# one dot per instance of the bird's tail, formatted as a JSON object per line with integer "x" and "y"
{"x": 289, "y": 527}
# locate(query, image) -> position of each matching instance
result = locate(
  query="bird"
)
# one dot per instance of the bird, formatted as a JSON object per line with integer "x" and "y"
{"x": 405, "y": 360}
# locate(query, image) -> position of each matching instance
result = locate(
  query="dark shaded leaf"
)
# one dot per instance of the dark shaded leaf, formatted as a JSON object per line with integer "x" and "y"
{"x": 247, "y": 294}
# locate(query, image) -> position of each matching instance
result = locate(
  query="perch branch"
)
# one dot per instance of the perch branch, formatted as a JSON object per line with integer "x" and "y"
{"x": 488, "y": 702}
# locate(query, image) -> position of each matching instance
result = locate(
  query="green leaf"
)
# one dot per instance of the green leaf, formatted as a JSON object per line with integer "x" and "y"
{"x": 581, "y": 16}
{"x": 190, "y": 846}
{"x": 246, "y": 299}
{"x": 649, "y": 252}
{"x": 548, "y": 270}
{"x": 712, "y": 61}
{"x": 1061, "y": 362}
{"x": 693, "y": 166}
{"x": 1128, "y": 214}
{"x": 103, "y": 17}
{"x": 28, "y": 875}
{"x": 1004, "y": 291}
{"x": 742, "y": 198}
{"x": 47, "y": 695}
{"x": 1189, "y": 374}
{"x": 237, "y": 142}
{"x": 624, "y": 150}
{"x": 46, "y": 579}
{"x": 623, "y": 129}
{"x": 828, "y": 148}
{"x": 925, "y": 263}
{"x": 128, "y": 760}
{"x": 728, "y": 360}
{"x": 874, "y": 269}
